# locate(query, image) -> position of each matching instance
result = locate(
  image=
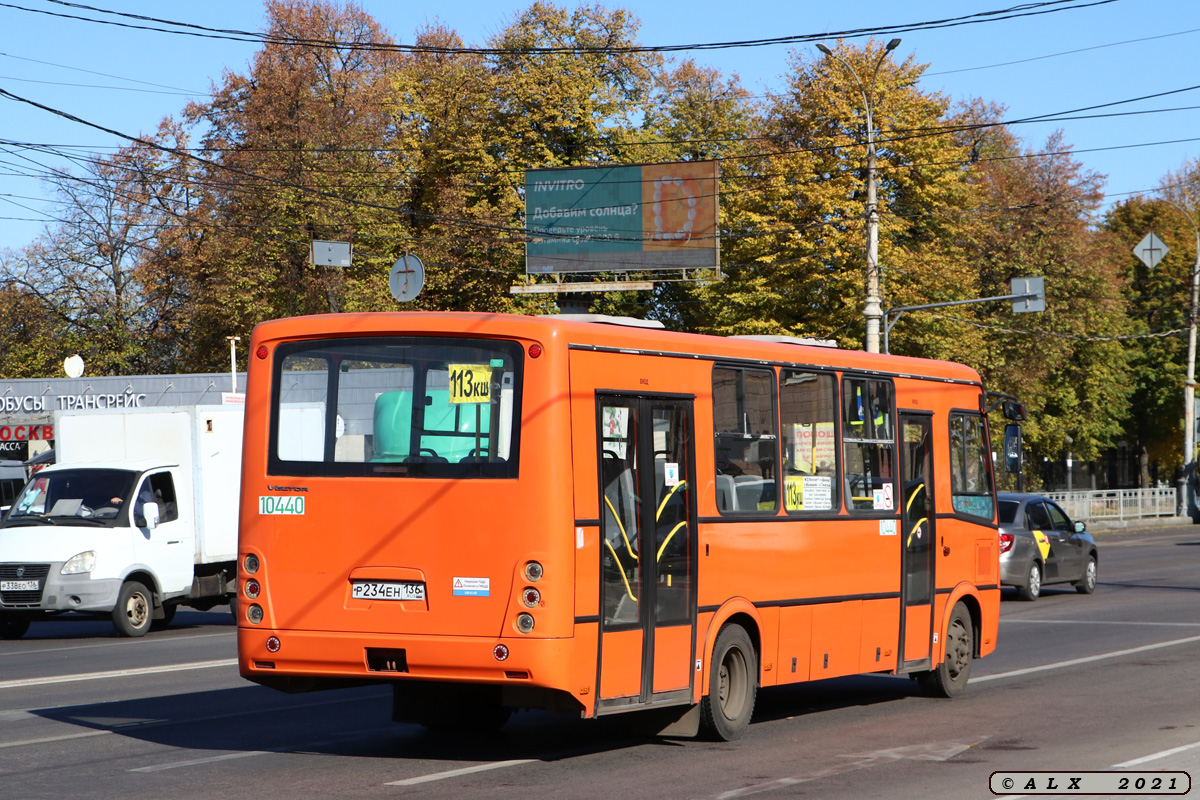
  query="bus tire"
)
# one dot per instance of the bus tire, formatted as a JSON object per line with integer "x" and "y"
{"x": 949, "y": 679}
{"x": 726, "y": 708}
{"x": 134, "y": 610}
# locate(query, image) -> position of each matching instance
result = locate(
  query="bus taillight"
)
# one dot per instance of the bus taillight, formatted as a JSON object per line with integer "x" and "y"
{"x": 273, "y": 644}
{"x": 525, "y": 623}
{"x": 533, "y": 571}
{"x": 531, "y": 597}
{"x": 500, "y": 652}
{"x": 253, "y": 588}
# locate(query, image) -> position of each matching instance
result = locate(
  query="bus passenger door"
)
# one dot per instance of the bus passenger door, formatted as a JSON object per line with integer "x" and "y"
{"x": 917, "y": 529}
{"x": 648, "y": 536}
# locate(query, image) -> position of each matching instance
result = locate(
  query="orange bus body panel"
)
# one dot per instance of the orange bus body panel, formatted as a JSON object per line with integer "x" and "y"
{"x": 821, "y": 596}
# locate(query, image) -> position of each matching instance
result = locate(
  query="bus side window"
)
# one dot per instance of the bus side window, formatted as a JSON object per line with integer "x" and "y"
{"x": 870, "y": 447}
{"x": 744, "y": 440}
{"x": 808, "y": 409}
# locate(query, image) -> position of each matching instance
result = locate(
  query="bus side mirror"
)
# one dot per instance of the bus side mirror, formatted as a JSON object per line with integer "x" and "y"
{"x": 1012, "y": 448}
{"x": 1014, "y": 411}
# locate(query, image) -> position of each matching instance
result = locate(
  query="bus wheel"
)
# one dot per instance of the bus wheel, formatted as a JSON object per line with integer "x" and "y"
{"x": 949, "y": 679}
{"x": 131, "y": 616}
{"x": 12, "y": 627}
{"x": 726, "y": 709}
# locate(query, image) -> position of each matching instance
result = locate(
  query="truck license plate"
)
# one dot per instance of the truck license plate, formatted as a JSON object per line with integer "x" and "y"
{"x": 387, "y": 590}
{"x": 18, "y": 586}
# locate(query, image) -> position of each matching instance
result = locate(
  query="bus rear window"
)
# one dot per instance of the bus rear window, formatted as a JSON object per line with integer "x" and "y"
{"x": 399, "y": 407}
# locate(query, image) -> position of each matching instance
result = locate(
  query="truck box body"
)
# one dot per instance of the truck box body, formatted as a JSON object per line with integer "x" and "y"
{"x": 205, "y": 442}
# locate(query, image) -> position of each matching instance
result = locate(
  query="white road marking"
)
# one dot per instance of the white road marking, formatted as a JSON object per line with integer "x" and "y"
{"x": 454, "y": 773}
{"x": 116, "y": 673}
{"x": 195, "y": 761}
{"x": 1077, "y": 661}
{"x": 141, "y": 642}
{"x": 296, "y": 748}
{"x": 51, "y": 739}
{"x": 939, "y": 751}
{"x": 192, "y": 721}
{"x": 1155, "y": 756}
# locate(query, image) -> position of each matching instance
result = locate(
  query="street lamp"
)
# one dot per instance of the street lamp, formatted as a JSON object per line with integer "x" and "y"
{"x": 872, "y": 308}
{"x": 1189, "y": 386}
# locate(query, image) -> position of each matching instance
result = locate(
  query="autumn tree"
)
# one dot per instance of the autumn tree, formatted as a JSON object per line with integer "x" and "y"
{"x": 461, "y": 195}
{"x": 292, "y": 151}
{"x": 794, "y": 235}
{"x": 1159, "y": 302}
{"x": 1039, "y": 215}
{"x": 96, "y": 271}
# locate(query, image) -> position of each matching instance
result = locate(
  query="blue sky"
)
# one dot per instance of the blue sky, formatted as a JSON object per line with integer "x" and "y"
{"x": 1087, "y": 55}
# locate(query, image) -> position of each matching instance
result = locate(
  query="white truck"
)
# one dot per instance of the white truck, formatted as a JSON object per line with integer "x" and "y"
{"x": 138, "y": 516}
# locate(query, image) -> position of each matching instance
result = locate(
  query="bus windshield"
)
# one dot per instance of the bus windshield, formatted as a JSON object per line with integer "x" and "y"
{"x": 421, "y": 407}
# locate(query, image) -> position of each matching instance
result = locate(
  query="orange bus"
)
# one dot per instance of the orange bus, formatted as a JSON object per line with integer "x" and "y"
{"x": 494, "y": 512}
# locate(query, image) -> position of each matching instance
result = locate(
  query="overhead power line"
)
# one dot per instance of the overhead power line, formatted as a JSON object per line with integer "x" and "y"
{"x": 191, "y": 29}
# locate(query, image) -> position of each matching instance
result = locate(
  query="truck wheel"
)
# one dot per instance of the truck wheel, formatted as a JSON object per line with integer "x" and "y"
{"x": 168, "y": 612}
{"x": 12, "y": 627}
{"x": 131, "y": 616}
{"x": 726, "y": 709}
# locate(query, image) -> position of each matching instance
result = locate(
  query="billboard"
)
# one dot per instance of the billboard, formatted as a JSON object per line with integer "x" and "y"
{"x": 621, "y": 218}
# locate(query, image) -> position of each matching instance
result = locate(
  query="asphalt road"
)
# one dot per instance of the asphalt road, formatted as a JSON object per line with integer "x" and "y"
{"x": 1078, "y": 684}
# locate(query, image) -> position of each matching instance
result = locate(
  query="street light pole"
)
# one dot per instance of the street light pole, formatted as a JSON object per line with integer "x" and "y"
{"x": 872, "y": 306}
{"x": 233, "y": 340}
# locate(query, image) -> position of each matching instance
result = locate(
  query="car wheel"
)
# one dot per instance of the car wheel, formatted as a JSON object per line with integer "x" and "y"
{"x": 949, "y": 679}
{"x": 1033, "y": 585}
{"x": 1088, "y": 584}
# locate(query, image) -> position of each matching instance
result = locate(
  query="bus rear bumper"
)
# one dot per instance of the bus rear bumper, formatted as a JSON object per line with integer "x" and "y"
{"x": 359, "y": 657}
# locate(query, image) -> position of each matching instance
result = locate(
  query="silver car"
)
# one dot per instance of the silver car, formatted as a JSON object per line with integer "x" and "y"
{"x": 1039, "y": 545}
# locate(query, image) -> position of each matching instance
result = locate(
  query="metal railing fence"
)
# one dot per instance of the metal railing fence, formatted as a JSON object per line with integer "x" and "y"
{"x": 1118, "y": 504}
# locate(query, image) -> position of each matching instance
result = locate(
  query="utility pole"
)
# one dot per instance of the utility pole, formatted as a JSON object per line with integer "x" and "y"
{"x": 872, "y": 306}
{"x": 1189, "y": 386}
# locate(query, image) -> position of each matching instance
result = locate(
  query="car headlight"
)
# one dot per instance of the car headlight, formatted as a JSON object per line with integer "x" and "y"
{"x": 80, "y": 563}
